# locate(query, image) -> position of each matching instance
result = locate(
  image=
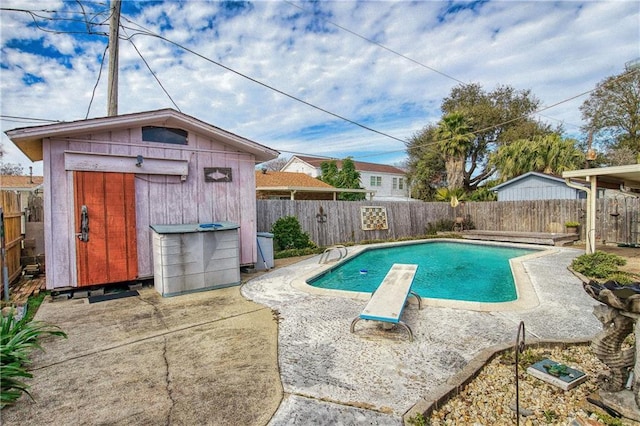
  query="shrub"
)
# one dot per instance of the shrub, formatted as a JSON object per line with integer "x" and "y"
{"x": 287, "y": 234}
{"x": 622, "y": 278}
{"x": 17, "y": 340}
{"x": 598, "y": 264}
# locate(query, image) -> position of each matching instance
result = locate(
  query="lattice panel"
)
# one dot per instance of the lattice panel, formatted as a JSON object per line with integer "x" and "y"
{"x": 373, "y": 218}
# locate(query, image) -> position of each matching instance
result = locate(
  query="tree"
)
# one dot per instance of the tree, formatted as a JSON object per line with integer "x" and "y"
{"x": 329, "y": 172}
{"x": 11, "y": 169}
{"x": 347, "y": 177}
{"x": 549, "y": 154}
{"x": 274, "y": 165}
{"x": 494, "y": 118}
{"x": 454, "y": 141}
{"x": 425, "y": 165}
{"x": 490, "y": 119}
{"x": 612, "y": 111}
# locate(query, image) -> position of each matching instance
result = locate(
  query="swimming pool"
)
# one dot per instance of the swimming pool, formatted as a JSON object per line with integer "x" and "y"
{"x": 447, "y": 270}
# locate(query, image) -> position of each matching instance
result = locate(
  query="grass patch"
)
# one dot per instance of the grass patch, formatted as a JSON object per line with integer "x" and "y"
{"x": 33, "y": 303}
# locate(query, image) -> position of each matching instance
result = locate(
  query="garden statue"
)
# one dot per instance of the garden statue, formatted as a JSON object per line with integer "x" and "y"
{"x": 620, "y": 390}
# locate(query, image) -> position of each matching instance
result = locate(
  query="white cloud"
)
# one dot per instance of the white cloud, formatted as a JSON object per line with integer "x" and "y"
{"x": 557, "y": 50}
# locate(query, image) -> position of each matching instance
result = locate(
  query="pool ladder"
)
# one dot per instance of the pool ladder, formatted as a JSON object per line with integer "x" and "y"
{"x": 326, "y": 256}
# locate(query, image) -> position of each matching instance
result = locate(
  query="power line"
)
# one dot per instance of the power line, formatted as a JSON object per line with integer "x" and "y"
{"x": 18, "y": 119}
{"x": 326, "y": 111}
{"x": 395, "y": 52}
{"x": 620, "y": 77}
{"x": 93, "y": 93}
{"x": 152, "y": 73}
{"x": 35, "y": 16}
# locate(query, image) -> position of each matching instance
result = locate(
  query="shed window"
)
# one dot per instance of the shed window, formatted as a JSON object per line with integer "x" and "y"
{"x": 164, "y": 135}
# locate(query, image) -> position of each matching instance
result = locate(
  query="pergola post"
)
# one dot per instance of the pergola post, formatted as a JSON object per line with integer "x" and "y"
{"x": 591, "y": 214}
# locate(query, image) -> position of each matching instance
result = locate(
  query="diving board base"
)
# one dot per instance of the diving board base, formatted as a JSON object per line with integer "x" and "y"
{"x": 387, "y": 325}
{"x": 388, "y": 301}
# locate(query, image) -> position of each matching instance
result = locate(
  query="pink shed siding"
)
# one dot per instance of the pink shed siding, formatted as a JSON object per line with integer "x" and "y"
{"x": 159, "y": 199}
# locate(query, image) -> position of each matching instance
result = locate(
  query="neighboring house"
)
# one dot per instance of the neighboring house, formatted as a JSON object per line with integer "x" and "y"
{"x": 26, "y": 186}
{"x": 272, "y": 185}
{"x": 538, "y": 186}
{"x": 388, "y": 182}
{"x": 113, "y": 177}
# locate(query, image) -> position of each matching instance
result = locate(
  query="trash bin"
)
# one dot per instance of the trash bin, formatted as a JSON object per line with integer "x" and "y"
{"x": 265, "y": 251}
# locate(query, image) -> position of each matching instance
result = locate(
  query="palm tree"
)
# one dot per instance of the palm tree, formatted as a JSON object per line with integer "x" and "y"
{"x": 549, "y": 154}
{"x": 454, "y": 140}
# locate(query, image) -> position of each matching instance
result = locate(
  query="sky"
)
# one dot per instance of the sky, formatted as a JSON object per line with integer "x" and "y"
{"x": 329, "y": 78}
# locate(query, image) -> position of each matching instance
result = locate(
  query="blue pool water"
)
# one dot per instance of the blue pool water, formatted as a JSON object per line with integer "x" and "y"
{"x": 447, "y": 270}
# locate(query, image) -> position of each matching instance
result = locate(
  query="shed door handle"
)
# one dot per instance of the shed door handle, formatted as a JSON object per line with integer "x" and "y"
{"x": 83, "y": 235}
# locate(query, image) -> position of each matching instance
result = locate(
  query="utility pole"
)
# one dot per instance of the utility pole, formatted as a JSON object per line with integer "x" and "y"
{"x": 114, "y": 27}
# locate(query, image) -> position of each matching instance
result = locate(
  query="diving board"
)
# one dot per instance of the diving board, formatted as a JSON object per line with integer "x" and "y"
{"x": 388, "y": 301}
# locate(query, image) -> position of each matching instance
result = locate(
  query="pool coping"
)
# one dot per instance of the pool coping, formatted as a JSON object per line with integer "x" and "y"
{"x": 527, "y": 297}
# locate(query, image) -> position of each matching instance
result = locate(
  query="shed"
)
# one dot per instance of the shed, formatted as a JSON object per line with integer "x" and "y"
{"x": 537, "y": 186}
{"x": 119, "y": 175}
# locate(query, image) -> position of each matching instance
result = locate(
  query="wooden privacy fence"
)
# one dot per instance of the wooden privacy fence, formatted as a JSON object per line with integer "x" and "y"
{"x": 10, "y": 204}
{"x": 335, "y": 222}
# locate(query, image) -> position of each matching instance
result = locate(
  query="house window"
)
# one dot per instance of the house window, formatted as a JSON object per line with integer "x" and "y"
{"x": 400, "y": 183}
{"x": 164, "y": 135}
{"x": 376, "y": 180}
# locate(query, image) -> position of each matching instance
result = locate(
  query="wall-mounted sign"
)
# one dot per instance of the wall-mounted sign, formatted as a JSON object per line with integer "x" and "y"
{"x": 217, "y": 174}
{"x": 373, "y": 218}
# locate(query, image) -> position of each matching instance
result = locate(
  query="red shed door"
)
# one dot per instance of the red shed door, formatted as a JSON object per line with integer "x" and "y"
{"x": 105, "y": 212}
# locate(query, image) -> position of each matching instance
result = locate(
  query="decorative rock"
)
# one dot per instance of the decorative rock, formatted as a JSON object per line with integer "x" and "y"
{"x": 490, "y": 397}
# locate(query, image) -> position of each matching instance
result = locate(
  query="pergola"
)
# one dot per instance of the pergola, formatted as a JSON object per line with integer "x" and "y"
{"x": 624, "y": 178}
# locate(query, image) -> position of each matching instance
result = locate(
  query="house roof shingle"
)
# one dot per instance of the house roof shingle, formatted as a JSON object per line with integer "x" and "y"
{"x": 288, "y": 180}
{"x": 361, "y": 166}
{"x": 16, "y": 182}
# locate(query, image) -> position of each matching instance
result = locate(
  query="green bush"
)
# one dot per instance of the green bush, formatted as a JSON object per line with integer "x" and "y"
{"x": 287, "y": 234}
{"x": 598, "y": 264}
{"x": 17, "y": 340}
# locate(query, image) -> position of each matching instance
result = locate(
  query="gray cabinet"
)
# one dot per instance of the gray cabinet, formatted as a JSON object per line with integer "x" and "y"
{"x": 195, "y": 257}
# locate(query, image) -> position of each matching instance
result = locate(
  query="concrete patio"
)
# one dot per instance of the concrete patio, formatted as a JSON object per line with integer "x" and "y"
{"x": 284, "y": 357}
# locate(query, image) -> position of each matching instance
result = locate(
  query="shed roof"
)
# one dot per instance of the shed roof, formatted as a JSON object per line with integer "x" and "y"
{"x": 361, "y": 166}
{"x": 549, "y": 177}
{"x": 29, "y": 139}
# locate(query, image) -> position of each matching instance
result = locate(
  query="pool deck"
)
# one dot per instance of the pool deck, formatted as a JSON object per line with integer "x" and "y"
{"x": 375, "y": 376}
